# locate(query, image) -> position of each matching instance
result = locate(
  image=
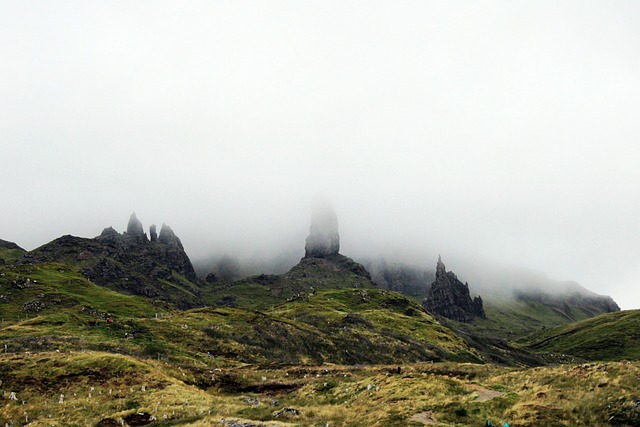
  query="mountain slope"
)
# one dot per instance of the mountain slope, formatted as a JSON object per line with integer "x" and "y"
{"x": 263, "y": 291}
{"x": 611, "y": 336}
{"x": 9, "y": 251}
{"x": 49, "y": 306}
{"x": 130, "y": 264}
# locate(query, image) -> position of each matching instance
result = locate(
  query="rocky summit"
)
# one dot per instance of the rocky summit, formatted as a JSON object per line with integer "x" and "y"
{"x": 449, "y": 297}
{"x": 129, "y": 262}
{"x": 135, "y": 226}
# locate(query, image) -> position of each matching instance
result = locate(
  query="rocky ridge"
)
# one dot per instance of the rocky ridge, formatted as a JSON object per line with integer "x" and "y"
{"x": 129, "y": 262}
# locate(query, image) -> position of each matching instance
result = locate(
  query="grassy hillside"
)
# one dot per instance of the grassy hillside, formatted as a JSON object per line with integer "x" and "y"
{"x": 266, "y": 290}
{"x": 611, "y": 336}
{"x": 55, "y": 289}
{"x": 511, "y": 318}
{"x": 316, "y": 346}
{"x": 51, "y": 307}
{"x": 86, "y": 388}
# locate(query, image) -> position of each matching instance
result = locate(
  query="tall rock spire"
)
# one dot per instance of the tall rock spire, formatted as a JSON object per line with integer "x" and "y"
{"x": 449, "y": 297}
{"x": 153, "y": 234}
{"x": 134, "y": 227}
{"x": 323, "y": 239}
{"x": 440, "y": 268}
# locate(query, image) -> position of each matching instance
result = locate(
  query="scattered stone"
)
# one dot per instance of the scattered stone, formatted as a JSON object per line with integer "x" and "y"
{"x": 252, "y": 401}
{"x": 33, "y": 306}
{"x": 22, "y": 283}
{"x": 286, "y": 412}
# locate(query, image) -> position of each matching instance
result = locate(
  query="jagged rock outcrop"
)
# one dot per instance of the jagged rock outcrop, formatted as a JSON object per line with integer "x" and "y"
{"x": 323, "y": 239}
{"x": 174, "y": 254}
{"x": 153, "y": 234}
{"x": 168, "y": 237}
{"x": 449, "y": 297}
{"x": 109, "y": 235}
{"x": 134, "y": 227}
{"x": 129, "y": 262}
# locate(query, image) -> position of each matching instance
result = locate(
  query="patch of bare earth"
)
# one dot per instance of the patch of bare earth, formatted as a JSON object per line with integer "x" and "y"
{"x": 426, "y": 418}
{"x": 484, "y": 393}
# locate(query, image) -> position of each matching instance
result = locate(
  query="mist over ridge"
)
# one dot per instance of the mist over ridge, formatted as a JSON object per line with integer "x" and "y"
{"x": 493, "y": 133}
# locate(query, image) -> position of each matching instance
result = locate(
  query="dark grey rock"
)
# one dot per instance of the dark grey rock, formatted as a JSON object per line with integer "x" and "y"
{"x": 153, "y": 235}
{"x": 449, "y": 297}
{"x": 323, "y": 239}
{"x": 174, "y": 254}
{"x": 9, "y": 245}
{"x": 134, "y": 227}
{"x": 211, "y": 278}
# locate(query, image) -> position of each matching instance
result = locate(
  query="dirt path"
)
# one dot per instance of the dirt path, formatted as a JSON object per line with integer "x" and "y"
{"x": 484, "y": 393}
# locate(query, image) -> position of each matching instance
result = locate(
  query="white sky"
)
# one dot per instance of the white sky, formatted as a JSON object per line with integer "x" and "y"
{"x": 501, "y": 130}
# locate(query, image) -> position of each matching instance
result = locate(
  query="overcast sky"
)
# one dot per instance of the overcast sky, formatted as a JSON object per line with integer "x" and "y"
{"x": 497, "y": 130}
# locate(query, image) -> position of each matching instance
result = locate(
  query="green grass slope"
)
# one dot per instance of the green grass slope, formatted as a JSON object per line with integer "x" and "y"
{"x": 310, "y": 360}
{"x": 376, "y": 325}
{"x": 611, "y": 336}
{"x": 51, "y": 307}
{"x": 50, "y": 288}
{"x": 347, "y": 326}
{"x": 513, "y": 318}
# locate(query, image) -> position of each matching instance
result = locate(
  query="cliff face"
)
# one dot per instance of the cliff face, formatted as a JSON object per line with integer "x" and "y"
{"x": 449, "y": 297}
